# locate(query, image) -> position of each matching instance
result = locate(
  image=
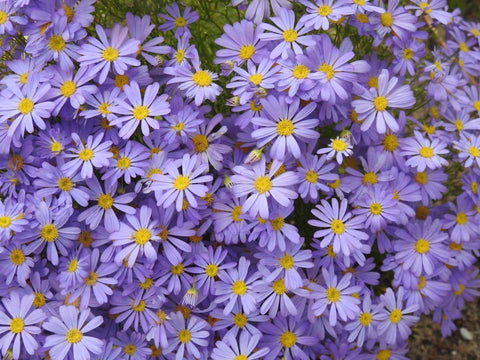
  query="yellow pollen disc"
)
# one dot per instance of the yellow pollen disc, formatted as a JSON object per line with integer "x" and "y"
{"x": 211, "y": 270}
{"x": 333, "y": 294}
{"x": 474, "y": 187}
{"x": 38, "y": 300}
{"x": 239, "y": 287}
{"x": 85, "y": 154}
{"x": 328, "y": 70}
{"x": 142, "y": 236}
{"x": 460, "y": 290}
{"x": 425, "y": 7}
{"x": 474, "y": 151}
{"x": 421, "y": 178}
{"x": 463, "y": 47}
{"x": 236, "y": 212}
{"x": 330, "y": 251}
{"x": 123, "y": 163}
{"x": 278, "y": 287}
{"x": 200, "y": 143}
{"x": 365, "y": 318}
{"x": 16, "y": 325}
{"x": 422, "y": 246}
{"x": 73, "y": 336}
{"x": 287, "y": 262}
{"x": 152, "y": 172}
{"x": 376, "y": 208}
{"x": 240, "y": 320}
{"x": 290, "y": 35}
{"x": 85, "y": 238}
{"x": 91, "y": 279}
{"x": 130, "y": 349}
{"x": 3, "y": 17}
{"x": 5, "y": 221}
{"x": 240, "y": 357}
{"x": 361, "y": 17}
{"x": 421, "y": 282}
{"x": 72, "y": 265}
{"x": 300, "y": 71}
{"x": 23, "y": 78}
{"x": 337, "y": 226}
{"x": 56, "y": 43}
{"x": 380, "y": 103}
{"x": 202, "y": 78}
{"x": 383, "y": 354}
{"x": 262, "y": 184}
{"x": 386, "y": 19}
{"x": 69, "y": 13}
{"x": 475, "y": 32}
{"x": 285, "y": 127}
{"x": 458, "y": 125}
{"x": 426, "y": 152}
{"x": 180, "y": 21}
{"x": 140, "y": 307}
{"x": 246, "y": 51}
{"x": 105, "y": 201}
{"x": 407, "y": 54}
{"x": 147, "y": 284}
{"x": 373, "y": 82}
{"x": 359, "y": 2}
{"x": 68, "y": 88}
{"x": 339, "y": 145}
{"x": 181, "y": 183}
{"x": 103, "y": 108}
{"x": 369, "y": 178}
{"x": 56, "y": 147}
{"x": 476, "y": 105}
{"x": 25, "y": 106}
{"x": 395, "y": 316}
{"x": 324, "y": 10}
{"x": 288, "y": 339}
{"x": 277, "y": 223}
{"x": 177, "y": 269}
{"x": 178, "y": 126}
{"x": 311, "y": 176}
{"x": 390, "y": 142}
{"x": 140, "y": 112}
{"x": 461, "y": 218}
{"x": 162, "y": 316}
{"x": 65, "y": 184}
{"x": 254, "y": 107}
{"x": 120, "y": 81}
{"x": 184, "y": 336}
{"x": 110, "y": 54}
{"x": 179, "y": 56}
{"x": 17, "y": 257}
{"x": 49, "y": 232}
{"x": 256, "y": 79}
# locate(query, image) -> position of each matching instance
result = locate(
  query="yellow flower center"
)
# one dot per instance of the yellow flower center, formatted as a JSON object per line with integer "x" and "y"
{"x": 328, "y": 70}
{"x": 140, "y": 112}
{"x": 123, "y": 163}
{"x": 376, "y": 208}
{"x": 68, "y": 88}
{"x": 287, "y": 262}
{"x": 202, "y": 78}
{"x": 421, "y": 282}
{"x": 65, "y": 184}
{"x": 395, "y": 316}
{"x": 73, "y": 336}
{"x": 324, "y": 10}
{"x": 421, "y": 178}
{"x": 56, "y": 147}
{"x": 288, "y": 339}
{"x": 69, "y": 13}
{"x": 152, "y": 172}
{"x": 240, "y": 320}
{"x": 426, "y": 152}
{"x": 236, "y": 212}
{"x": 239, "y": 287}
{"x": 105, "y": 201}
{"x": 339, "y": 145}
{"x": 177, "y": 269}
{"x": 425, "y": 7}
{"x": 337, "y": 226}
{"x": 200, "y": 143}
{"x": 262, "y": 184}
{"x": 129, "y": 349}
{"x": 140, "y": 307}
{"x": 373, "y": 82}
{"x": 476, "y": 105}
{"x": 463, "y": 46}
{"x": 16, "y": 325}
{"x": 3, "y": 17}
{"x": 390, "y": 142}
{"x": 285, "y": 127}
{"x": 311, "y": 176}
{"x": 91, "y": 279}
{"x": 290, "y": 35}
{"x": 180, "y": 21}
{"x": 474, "y": 151}
{"x": 23, "y": 78}
{"x": 179, "y": 56}
{"x": 110, "y": 54}
{"x": 5, "y": 221}
{"x": 56, "y": 43}
{"x": 407, "y": 54}
{"x": 278, "y": 287}
{"x": 211, "y": 270}
{"x": 365, "y": 318}
{"x": 386, "y": 19}
{"x": 256, "y": 79}
{"x": 181, "y": 183}
{"x": 369, "y": 178}
{"x": 85, "y": 154}
{"x": 25, "y": 106}
{"x": 246, "y": 51}
{"x": 254, "y": 107}
{"x": 72, "y": 265}
{"x": 458, "y": 124}
{"x": 475, "y": 32}
{"x": 361, "y": 17}
{"x": 461, "y": 218}
{"x": 49, "y": 232}
{"x": 240, "y": 357}
{"x": 17, "y": 257}
{"x": 333, "y": 294}
{"x": 184, "y": 336}
{"x": 359, "y": 2}
{"x": 300, "y": 71}
{"x": 38, "y": 300}
{"x": 147, "y": 284}
{"x": 383, "y": 354}
{"x": 103, "y": 108}
{"x": 277, "y": 223}
{"x": 460, "y": 290}
{"x": 142, "y": 236}
{"x": 380, "y": 103}
{"x": 422, "y": 246}
{"x": 120, "y": 81}
{"x": 85, "y": 238}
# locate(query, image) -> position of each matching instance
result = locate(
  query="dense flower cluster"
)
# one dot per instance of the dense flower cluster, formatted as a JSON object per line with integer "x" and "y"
{"x": 332, "y": 202}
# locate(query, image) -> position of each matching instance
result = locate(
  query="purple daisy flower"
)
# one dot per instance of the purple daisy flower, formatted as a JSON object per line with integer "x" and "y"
{"x": 11, "y": 218}
{"x": 186, "y": 336}
{"x": 129, "y": 163}
{"x": 136, "y": 111}
{"x": 69, "y": 332}
{"x": 424, "y": 153}
{"x": 461, "y": 223}
{"x": 9, "y": 19}
{"x": 316, "y": 173}
{"x": 321, "y": 12}
{"x": 115, "y": 50}
{"x": 469, "y": 147}
{"x": 284, "y": 124}
{"x": 395, "y": 20}
{"x": 133, "y": 346}
{"x": 363, "y": 328}
{"x": 246, "y": 348}
{"x": 16, "y": 264}
{"x": 176, "y": 20}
